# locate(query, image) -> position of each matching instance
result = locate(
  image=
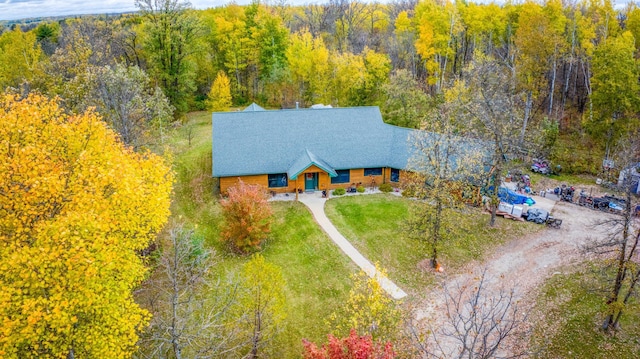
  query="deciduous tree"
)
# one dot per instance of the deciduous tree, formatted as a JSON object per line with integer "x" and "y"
{"x": 622, "y": 240}
{"x": 438, "y": 24}
{"x": 20, "y": 58}
{"x": 247, "y": 216}
{"x": 353, "y": 346}
{"x": 219, "y": 98}
{"x": 615, "y": 88}
{"x": 404, "y": 55}
{"x": 189, "y": 304}
{"x": 76, "y": 207}
{"x": 368, "y": 311}
{"x": 262, "y": 305}
{"x": 539, "y": 43}
{"x": 130, "y": 104}
{"x": 269, "y": 42}
{"x": 488, "y": 107}
{"x": 308, "y": 60}
{"x": 172, "y": 32}
{"x": 405, "y": 104}
{"x": 444, "y": 165}
{"x": 376, "y": 75}
{"x": 478, "y": 321}
{"x": 231, "y": 45}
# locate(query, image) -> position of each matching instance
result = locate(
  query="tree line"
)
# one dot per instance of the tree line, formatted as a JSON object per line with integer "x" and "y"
{"x": 572, "y": 65}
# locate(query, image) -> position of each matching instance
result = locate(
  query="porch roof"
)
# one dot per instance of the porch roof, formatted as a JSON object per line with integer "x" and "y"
{"x": 306, "y": 160}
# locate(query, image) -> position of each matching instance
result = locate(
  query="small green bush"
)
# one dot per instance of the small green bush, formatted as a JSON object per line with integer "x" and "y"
{"x": 339, "y": 192}
{"x": 360, "y": 189}
{"x": 385, "y": 187}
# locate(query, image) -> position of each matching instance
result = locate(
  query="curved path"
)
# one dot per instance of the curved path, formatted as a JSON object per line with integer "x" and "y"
{"x": 316, "y": 204}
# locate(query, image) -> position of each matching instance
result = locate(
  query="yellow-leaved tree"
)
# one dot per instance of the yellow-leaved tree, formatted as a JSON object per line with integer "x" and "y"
{"x": 76, "y": 207}
{"x": 261, "y": 307}
{"x": 20, "y": 57}
{"x": 219, "y": 98}
{"x": 368, "y": 311}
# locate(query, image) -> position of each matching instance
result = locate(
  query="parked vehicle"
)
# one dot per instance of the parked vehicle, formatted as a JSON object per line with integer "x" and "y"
{"x": 585, "y": 200}
{"x": 541, "y": 166}
{"x": 616, "y": 205}
{"x": 565, "y": 193}
{"x": 601, "y": 204}
{"x": 606, "y": 204}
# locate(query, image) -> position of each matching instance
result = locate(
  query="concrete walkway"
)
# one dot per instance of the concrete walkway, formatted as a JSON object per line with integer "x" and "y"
{"x": 315, "y": 202}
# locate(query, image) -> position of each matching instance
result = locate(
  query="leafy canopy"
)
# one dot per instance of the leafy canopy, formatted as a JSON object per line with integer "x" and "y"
{"x": 219, "y": 98}
{"x": 368, "y": 311}
{"x": 75, "y": 207}
{"x": 248, "y": 217}
{"x": 353, "y": 346}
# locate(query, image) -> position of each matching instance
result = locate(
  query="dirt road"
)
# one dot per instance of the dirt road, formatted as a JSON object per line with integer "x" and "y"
{"x": 523, "y": 263}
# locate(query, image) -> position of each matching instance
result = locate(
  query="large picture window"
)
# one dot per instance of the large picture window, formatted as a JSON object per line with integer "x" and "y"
{"x": 395, "y": 175}
{"x": 343, "y": 177}
{"x": 373, "y": 171}
{"x": 278, "y": 180}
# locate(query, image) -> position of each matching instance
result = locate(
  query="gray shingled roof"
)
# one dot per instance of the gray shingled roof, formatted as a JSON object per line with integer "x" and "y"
{"x": 281, "y": 141}
{"x": 307, "y": 160}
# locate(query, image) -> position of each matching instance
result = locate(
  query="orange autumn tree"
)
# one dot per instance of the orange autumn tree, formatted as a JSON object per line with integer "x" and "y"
{"x": 247, "y": 216}
{"x": 75, "y": 208}
{"x": 351, "y": 347}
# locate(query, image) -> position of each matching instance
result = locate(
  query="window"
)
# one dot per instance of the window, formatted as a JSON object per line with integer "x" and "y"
{"x": 278, "y": 180}
{"x": 395, "y": 175}
{"x": 373, "y": 171}
{"x": 343, "y": 177}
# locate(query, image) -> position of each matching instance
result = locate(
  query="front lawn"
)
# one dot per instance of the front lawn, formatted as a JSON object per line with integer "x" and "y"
{"x": 374, "y": 225}
{"x": 317, "y": 273}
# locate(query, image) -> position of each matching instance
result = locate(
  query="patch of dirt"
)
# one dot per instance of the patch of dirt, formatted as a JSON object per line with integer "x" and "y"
{"x": 524, "y": 263}
{"x": 425, "y": 265}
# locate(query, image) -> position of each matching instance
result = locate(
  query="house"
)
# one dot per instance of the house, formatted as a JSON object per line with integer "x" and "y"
{"x": 308, "y": 149}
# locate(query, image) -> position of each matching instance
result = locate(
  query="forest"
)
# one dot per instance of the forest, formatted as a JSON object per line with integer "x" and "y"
{"x": 570, "y": 66}
{"x": 106, "y": 163}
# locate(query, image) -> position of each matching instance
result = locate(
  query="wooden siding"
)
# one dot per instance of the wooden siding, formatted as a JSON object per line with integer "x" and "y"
{"x": 226, "y": 182}
{"x": 324, "y": 181}
{"x": 358, "y": 178}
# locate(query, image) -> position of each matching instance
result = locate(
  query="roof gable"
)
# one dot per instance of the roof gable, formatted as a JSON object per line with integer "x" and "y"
{"x": 307, "y": 160}
{"x": 253, "y": 107}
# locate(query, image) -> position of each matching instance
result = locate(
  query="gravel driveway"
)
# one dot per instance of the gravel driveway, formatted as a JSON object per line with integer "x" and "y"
{"x": 523, "y": 263}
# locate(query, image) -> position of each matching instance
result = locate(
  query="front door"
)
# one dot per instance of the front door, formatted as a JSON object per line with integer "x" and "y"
{"x": 311, "y": 181}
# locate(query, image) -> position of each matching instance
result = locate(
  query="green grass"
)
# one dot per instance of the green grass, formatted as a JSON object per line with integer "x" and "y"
{"x": 374, "y": 225}
{"x": 568, "y": 316}
{"x": 569, "y": 179}
{"x": 316, "y": 272}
